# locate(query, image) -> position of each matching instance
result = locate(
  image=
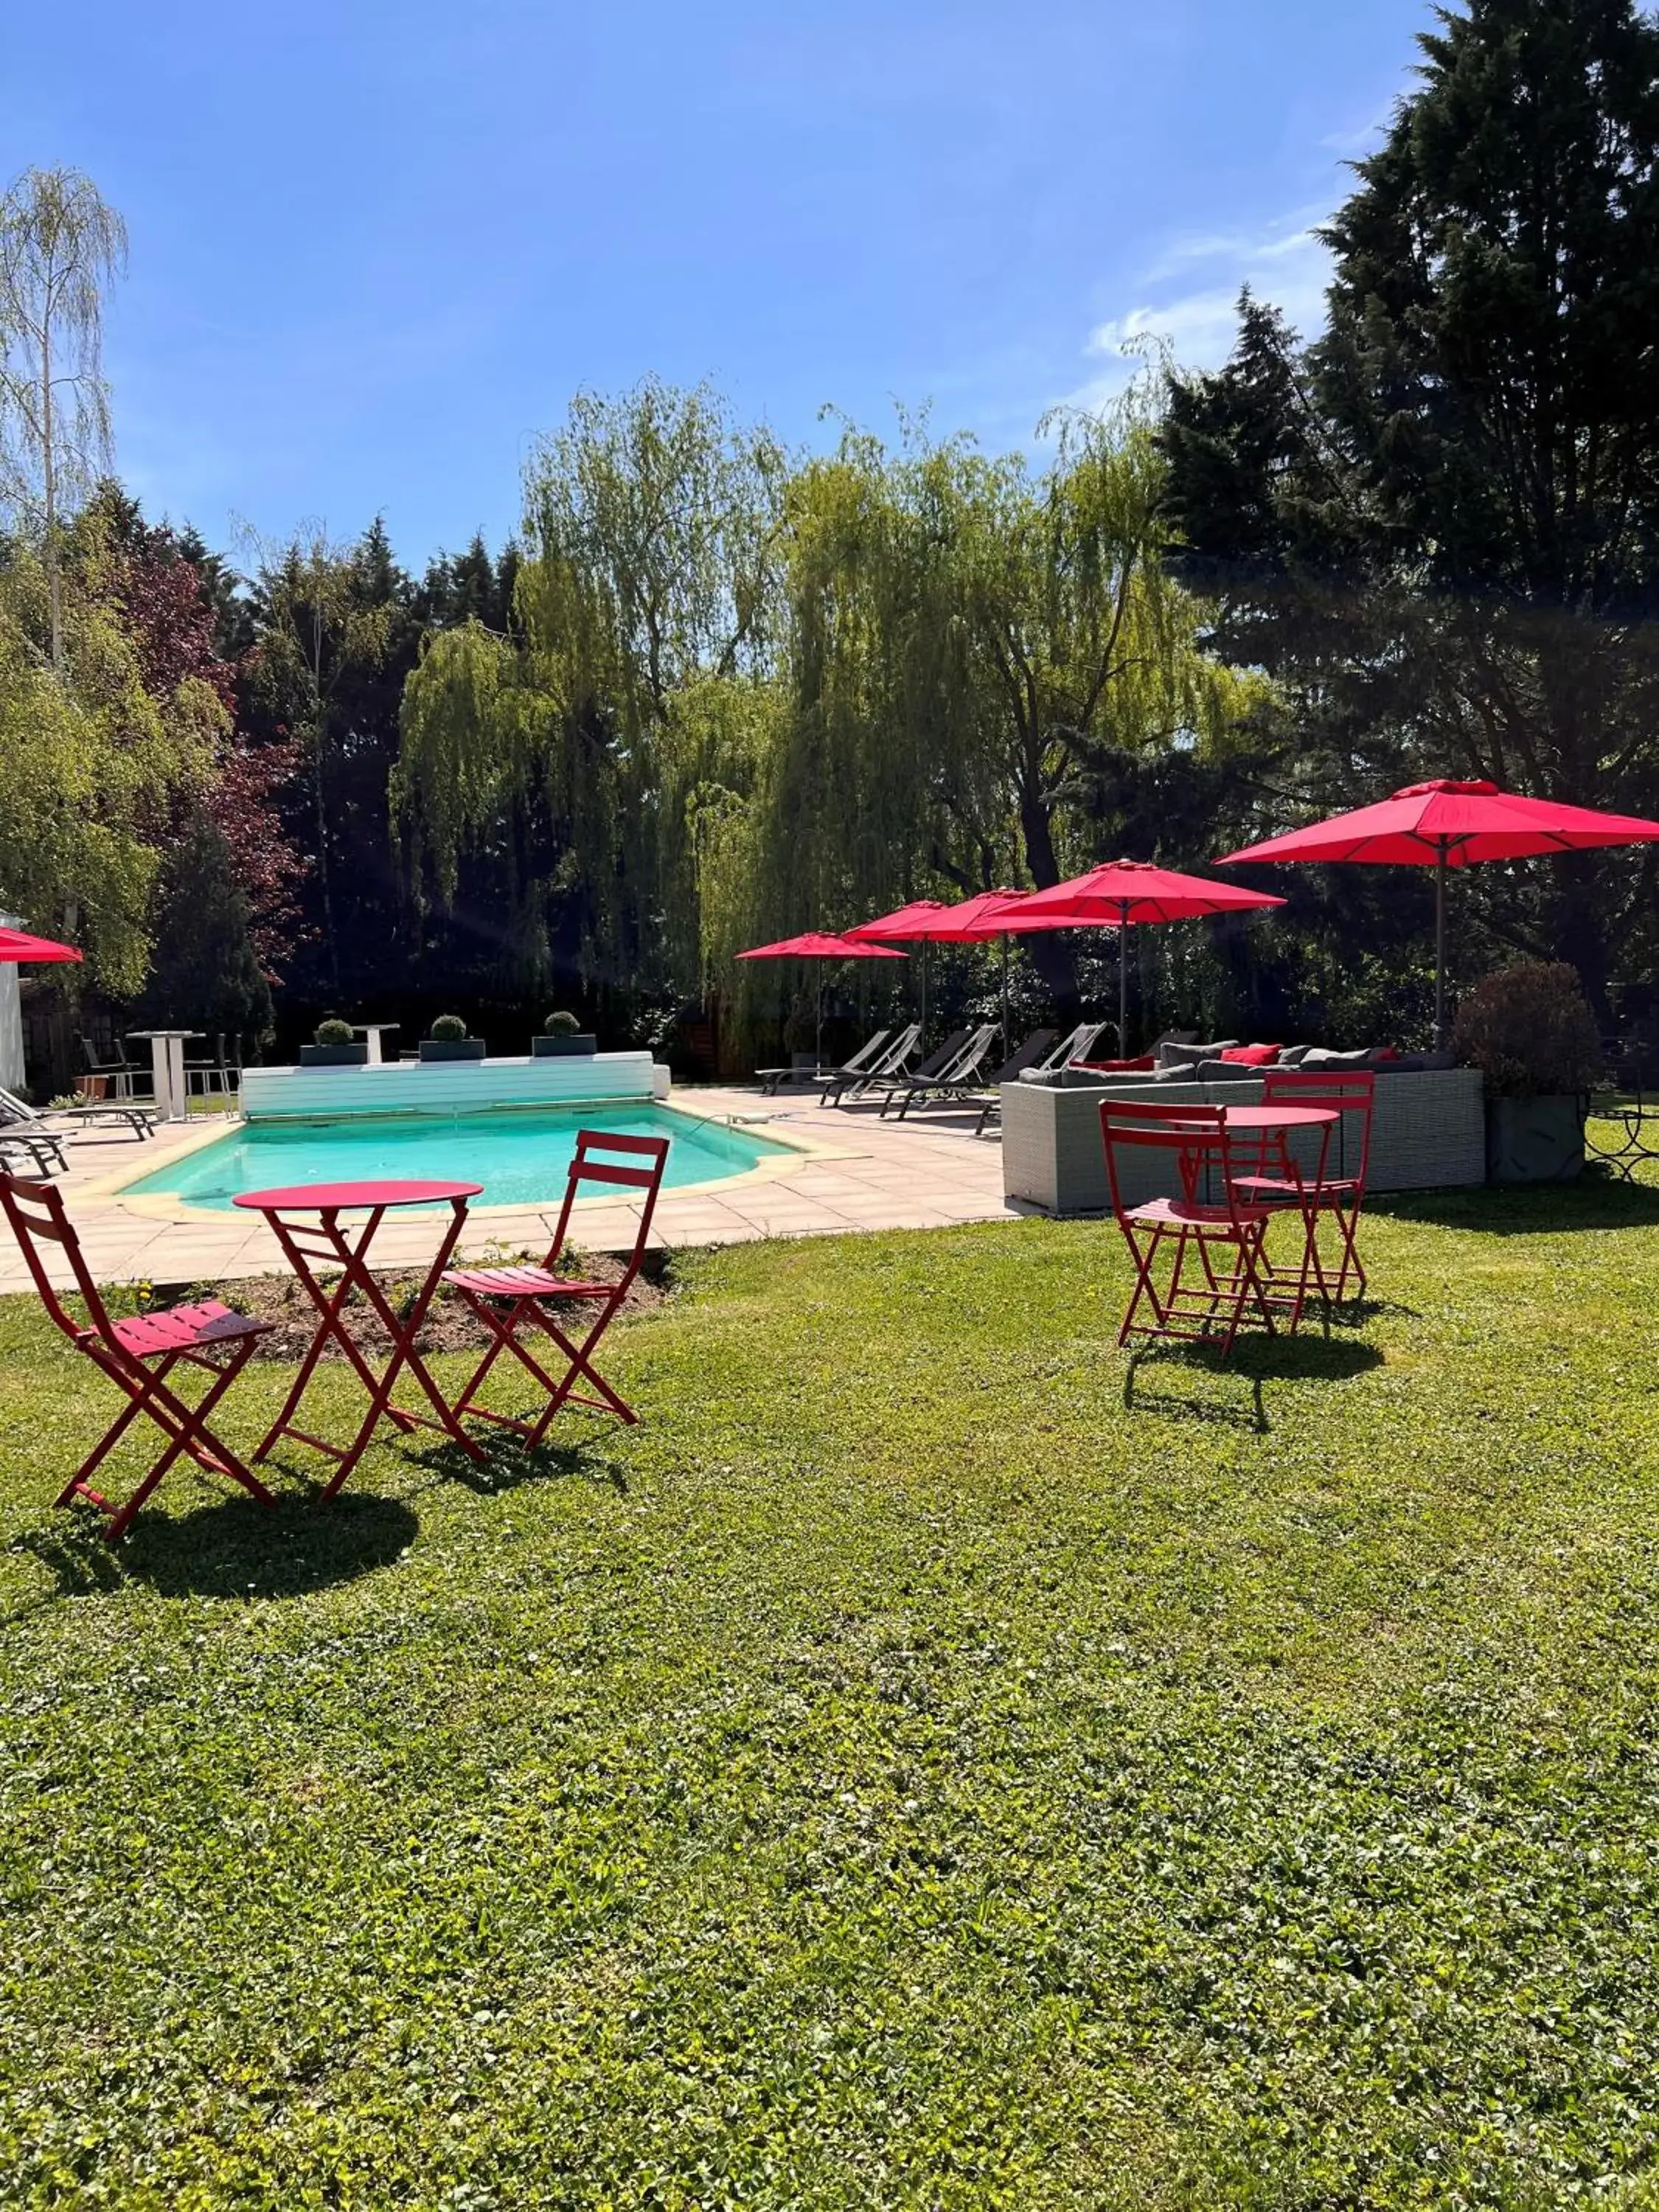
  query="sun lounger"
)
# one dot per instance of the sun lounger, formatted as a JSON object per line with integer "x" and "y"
{"x": 833, "y": 1089}
{"x": 946, "y": 1066}
{"x": 970, "y": 1085}
{"x": 769, "y": 1079}
{"x": 18, "y": 1116}
{"x": 1077, "y": 1045}
{"x": 43, "y": 1150}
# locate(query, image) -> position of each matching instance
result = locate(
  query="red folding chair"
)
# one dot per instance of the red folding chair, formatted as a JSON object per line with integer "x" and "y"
{"x": 137, "y": 1355}
{"x": 509, "y": 1299}
{"x": 1224, "y": 1237}
{"x": 1340, "y": 1197}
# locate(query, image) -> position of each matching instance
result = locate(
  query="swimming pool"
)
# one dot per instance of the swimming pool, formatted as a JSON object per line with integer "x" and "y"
{"x": 520, "y": 1156}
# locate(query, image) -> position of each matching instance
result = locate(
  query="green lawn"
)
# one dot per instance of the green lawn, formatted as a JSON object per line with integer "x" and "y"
{"x": 894, "y": 1775}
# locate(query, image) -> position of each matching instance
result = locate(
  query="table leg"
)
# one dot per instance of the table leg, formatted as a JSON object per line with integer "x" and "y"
{"x": 161, "y": 1080}
{"x": 373, "y": 1048}
{"x": 176, "y": 1083}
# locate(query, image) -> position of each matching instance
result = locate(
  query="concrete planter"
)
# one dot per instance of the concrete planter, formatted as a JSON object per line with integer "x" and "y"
{"x": 452, "y": 1048}
{"x": 584, "y": 1044}
{"x": 1534, "y": 1141}
{"x": 333, "y": 1055}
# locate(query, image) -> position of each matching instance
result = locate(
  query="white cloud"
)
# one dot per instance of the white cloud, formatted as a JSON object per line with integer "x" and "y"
{"x": 1285, "y": 266}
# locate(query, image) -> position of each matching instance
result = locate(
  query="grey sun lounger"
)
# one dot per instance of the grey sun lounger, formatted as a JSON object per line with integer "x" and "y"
{"x": 946, "y": 1068}
{"x": 18, "y": 1116}
{"x": 44, "y": 1151}
{"x": 941, "y": 1056}
{"x": 949, "y": 1089}
{"x": 833, "y": 1089}
{"x": 1076, "y": 1045}
{"x": 769, "y": 1079}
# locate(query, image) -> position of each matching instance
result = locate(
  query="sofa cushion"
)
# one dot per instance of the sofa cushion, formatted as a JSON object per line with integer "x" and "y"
{"x": 1226, "y": 1071}
{"x": 1292, "y": 1056}
{"x": 1251, "y": 1055}
{"x": 1171, "y": 1055}
{"x": 1141, "y": 1066}
{"x": 1317, "y": 1056}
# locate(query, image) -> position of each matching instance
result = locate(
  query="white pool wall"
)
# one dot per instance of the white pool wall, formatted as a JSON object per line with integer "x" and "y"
{"x": 448, "y": 1086}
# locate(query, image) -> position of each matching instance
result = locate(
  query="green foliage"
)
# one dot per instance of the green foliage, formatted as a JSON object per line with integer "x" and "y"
{"x": 91, "y": 766}
{"x": 1530, "y": 1030}
{"x": 1426, "y": 525}
{"x": 894, "y": 1774}
{"x": 332, "y": 1030}
{"x": 448, "y": 1029}
{"x": 561, "y": 1025}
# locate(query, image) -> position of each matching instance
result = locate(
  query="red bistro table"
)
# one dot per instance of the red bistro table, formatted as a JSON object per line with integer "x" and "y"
{"x": 1273, "y": 1126}
{"x": 305, "y": 1242}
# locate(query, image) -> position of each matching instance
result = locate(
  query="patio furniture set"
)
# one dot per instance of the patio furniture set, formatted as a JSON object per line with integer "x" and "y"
{"x": 326, "y": 1232}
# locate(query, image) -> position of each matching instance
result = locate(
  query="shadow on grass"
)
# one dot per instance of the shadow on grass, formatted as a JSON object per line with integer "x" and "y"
{"x": 509, "y": 1462}
{"x": 1599, "y": 1200}
{"x": 1253, "y": 1362}
{"x": 231, "y": 1548}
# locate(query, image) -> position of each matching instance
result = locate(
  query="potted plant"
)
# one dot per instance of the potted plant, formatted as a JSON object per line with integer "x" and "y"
{"x": 561, "y": 1035}
{"x": 334, "y": 1045}
{"x": 1530, "y": 1030}
{"x": 448, "y": 1040}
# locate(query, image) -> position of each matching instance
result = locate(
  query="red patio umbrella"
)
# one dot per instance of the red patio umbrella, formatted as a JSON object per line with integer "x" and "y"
{"x": 16, "y": 945}
{"x": 817, "y": 944}
{"x": 970, "y": 921}
{"x": 907, "y": 921}
{"x": 1124, "y": 893}
{"x": 1451, "y": 824}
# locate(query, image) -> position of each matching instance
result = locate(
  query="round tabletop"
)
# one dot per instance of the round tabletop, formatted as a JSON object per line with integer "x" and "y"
{"x": 164, "y": 1033}
{"x": 337, "y": 1197}
{"x": 1279, "y": 1117}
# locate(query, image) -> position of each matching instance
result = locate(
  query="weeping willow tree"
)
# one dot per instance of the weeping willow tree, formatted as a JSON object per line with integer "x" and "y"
{"x": 604, "y": 751}
{"x": 971, "y": 645}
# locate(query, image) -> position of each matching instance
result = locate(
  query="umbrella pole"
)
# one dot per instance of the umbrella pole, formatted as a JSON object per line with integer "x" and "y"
{"x": 1123, "y": 983}
{"x": 924, "y": 993}
{"x": 818, "y": 1016}
{"x": 1440, "y": 947}
{"x": 1006, "y": 1047}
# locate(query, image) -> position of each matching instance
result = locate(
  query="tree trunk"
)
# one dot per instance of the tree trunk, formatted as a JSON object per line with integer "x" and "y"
{"x": 1050, "y": 954}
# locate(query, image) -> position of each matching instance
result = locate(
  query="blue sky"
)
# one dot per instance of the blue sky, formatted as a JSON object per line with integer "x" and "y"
{"x": 376, "y": 247}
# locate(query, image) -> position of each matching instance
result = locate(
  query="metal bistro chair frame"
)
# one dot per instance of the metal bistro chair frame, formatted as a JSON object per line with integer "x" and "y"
{"x": 138, "y": 1356}
{"x": 1227, "y": 1238}
{"x": 1275, "y": 1181}
{"x": 508, "y": 1299}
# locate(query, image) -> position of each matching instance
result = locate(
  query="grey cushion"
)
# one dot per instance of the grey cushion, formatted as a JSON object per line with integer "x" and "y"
{"x": 1227, "y": 1070}
{"x": 1317, "y": 1056}
{"x": 1293, "y": 1055}
{"x": 1171, "y": 1055}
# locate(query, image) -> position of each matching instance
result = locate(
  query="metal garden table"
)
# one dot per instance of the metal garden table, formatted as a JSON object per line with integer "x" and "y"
{"x": 306, "y": 1221}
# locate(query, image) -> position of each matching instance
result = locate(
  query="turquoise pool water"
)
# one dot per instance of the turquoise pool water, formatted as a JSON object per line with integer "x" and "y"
{"x": 520, "y": 1156}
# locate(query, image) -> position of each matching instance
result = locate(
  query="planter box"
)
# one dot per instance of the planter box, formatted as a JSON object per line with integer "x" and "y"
{"x": 333, "y": 1055}
{"x": 1534, "y": 1140}
{"x": 452, "y": 1048}
{"x": 563, "y": 1047}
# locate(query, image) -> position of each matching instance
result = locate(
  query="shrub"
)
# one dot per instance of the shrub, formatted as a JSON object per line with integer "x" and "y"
{"x": 448, "y": 1029}
{"x": 561, "y": 1025}
{"x": 332, "y": 1030}
{"x": 1530, "y": 1030}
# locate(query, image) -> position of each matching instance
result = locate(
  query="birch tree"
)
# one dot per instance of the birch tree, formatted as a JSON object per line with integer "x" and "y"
{"x": 61, "y": 247}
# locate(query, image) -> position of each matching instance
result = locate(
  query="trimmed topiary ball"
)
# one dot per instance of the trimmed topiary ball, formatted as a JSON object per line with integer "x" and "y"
{"x": 332, "y": 1030}
{"x": 561, "y": 1025}
{"x": 448, "y": 1029}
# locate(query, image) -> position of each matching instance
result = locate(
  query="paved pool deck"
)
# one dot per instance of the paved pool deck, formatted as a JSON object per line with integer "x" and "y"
{"x": 848, "y": 1170}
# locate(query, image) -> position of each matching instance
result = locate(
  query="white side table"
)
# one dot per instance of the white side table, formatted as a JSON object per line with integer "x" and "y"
{"x": 167, "y": 1060}
{"x": 375, "y": 1031}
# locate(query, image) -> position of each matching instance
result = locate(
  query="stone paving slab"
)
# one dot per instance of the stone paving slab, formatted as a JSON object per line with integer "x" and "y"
{"x": 848, "y": 1170}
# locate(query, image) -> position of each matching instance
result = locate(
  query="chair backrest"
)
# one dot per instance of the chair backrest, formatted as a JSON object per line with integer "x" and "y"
{"x": 970, "y": 1057}
{"x": 16, "y": 1111}
{"x": 899, "y": 1051}
{"x": 614, "y": 1161}
{"x": 1028, "y": 1055}
{"x": 1352, "y": 1091}
{"x": 865, "y": 1052}
{"x": 1075, "y": 1046}
{"x": 1194, "y": 1136}
{"x": 938, "y": 1061}
{"x": 34, "y": 1212}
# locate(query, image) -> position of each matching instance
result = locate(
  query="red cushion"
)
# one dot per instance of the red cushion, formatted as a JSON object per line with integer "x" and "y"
{"x": 1254, "y": 1056}
{"x": 1119, "y": 1067}
{"x": 1385, "y": 1052}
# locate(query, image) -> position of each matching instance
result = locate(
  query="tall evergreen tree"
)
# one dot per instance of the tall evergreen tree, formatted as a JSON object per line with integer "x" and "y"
{"x": 1438, "y": 524}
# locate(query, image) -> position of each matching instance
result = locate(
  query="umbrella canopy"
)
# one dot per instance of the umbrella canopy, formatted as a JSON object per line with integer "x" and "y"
{"x": 973, "y": 921}
{"x": 16, "y": 945}
{"x": 1451, "y": 825}
{"x": 1123, "y": 894}
{"x": 817, "y": 944}
{"x": 904, "y": 921}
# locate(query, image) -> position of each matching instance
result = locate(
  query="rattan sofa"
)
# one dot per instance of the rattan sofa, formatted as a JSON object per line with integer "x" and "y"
{"x": 1428, "y": 1133}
